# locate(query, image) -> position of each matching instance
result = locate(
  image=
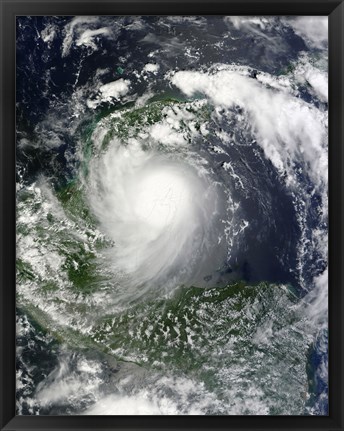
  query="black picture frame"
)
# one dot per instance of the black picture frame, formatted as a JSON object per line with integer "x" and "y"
{"x": 9, "y": 9}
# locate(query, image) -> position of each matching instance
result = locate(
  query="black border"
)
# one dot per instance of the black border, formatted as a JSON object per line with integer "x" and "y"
{"x": 9, "y": 9}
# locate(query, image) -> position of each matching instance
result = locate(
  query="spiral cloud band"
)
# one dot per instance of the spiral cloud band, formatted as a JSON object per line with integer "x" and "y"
{"x": 161, "y": 214}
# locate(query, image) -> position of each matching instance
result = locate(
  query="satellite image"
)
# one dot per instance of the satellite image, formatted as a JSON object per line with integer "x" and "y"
{"x": 172, "y": 215}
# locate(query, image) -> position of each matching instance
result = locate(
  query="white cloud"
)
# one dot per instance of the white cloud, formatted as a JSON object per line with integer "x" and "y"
{"x": 124, "y": 405}
{"x": 164, "y": 133}
{"x": 70, "y": 28}
{"x": 315, "y": 304}
{"x": 286, "y": 127}
{"x": 150, "y": 67}
{"x": 114, "y": 90}
{"x": 87, "y": 37}
{"x": 49, "y": 33}
{"x": 247, "y": 23}
{"x": 313, "y": 29}
{"x": 83, "y": 30}
{"x": 319, "y": 83}
{"x": 161, "y": 396}
{"x": 142, "y": 200}
{"x": 63, "y": 385}
{"x": 110, "y": 92}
